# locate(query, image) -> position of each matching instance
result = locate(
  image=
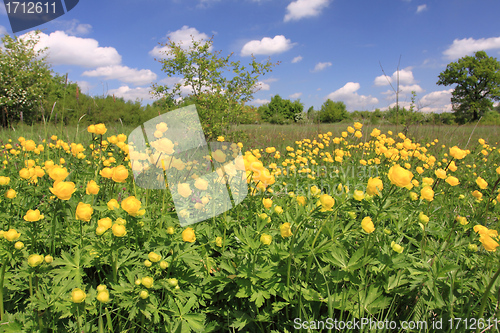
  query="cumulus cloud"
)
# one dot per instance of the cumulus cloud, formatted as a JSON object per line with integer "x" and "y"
{"x": 296, "y": 59}
{"x": 259, "y": 101}
{"x": 73, "y": 27}
{"x": 299, "y": 9}
{"x": 132, "y": 94}
{"x": 351, "y": 98}
{"x": 404, "y": 92}
{"x": 267, "y": 46}
{"x": 71, "y": 50}
{"x": 183, "y": 36}
{"x": 295, "y": 96}
{"x": 421, "y": 8}
{"x": 467, "y": 46}
{"x": 123, "y": 74}
{"x": 436, "y": 101}
{"x": 85, "y": 86}
{"x": 321, "y": 66}
{"x": 405, "y": 78}
{"x": 262, "y": 86}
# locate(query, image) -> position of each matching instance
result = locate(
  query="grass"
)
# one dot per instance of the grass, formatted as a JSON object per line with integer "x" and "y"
{"x": 279, "y": 136}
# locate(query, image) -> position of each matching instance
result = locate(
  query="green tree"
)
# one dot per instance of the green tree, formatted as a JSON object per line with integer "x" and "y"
{"x": 280, "y": 110}
{"x": 24, "y": 77}
{"x": 332, "y": 112}
{"x": 478, "y": 85}
{"x": 219, "y": 87}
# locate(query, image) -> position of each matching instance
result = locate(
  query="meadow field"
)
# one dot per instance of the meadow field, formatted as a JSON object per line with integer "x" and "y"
{"x": 345, "y": 227}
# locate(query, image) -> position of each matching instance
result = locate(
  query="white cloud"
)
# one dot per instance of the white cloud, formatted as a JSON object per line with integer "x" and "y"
{"x": 3, "y": 31}
{"x": 71, "y": 50}
{"x": 123, "y": 74}
{"x": 73, "y": 27}
{"x": 321, "y": 66}
{"x": 295, "y": 96}
{"x": 404, "y": 92}
{"x": 304, "y": 8}
{"x": 296, "y": 59}
{"x": 262, "y": 86}
{"x": 421, "y": 8}
{"x": 267, "y": 46}
{"x": 132, "y": 94}
{"x": 85, "y": 86}
{"x": 405, "y": 78}
{"x": 184, "y": 36}
{"x": 467, "y": 46}
{"x": 350, "y": 97}
{"x": 259, "y": 101}
{"x": 436, "y": 101}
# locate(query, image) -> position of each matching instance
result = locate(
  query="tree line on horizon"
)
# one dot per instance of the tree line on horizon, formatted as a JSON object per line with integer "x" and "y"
{"x": 31, "y": 92}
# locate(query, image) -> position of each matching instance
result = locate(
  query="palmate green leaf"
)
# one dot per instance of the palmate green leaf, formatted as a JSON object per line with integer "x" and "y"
{"x": 71, "y": 267}
{"x": 394, "y": 281}
{"x": 245, "y": 288}
{"x": 259, "y": 297}
{"x": 338, "y": 257}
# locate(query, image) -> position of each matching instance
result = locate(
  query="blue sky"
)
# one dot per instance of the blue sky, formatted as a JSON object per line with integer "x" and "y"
{"x": 327, "y": 48}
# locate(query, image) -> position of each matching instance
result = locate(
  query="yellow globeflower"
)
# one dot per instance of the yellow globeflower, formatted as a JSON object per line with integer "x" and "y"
{"x": 285, "y": 230}
{"x": 396, "y": 247}
{"x": 367, "y": 225}
{"x": 132, "y": 206}
{"x": 147, "y": 282}
{"x": 358, "y": 195}
{"x": 327, "y": 202}
{"x": 476, "y": 194}
{"x": 184, "y": 190}
{"x": 120, "y": 174}
{"x": 457, "y": 153}
{"x": 427, "y": 193}
{"x": 35, "y": 260}
{"x": 462, "y": 220}
{"x": 481, "y": 183}
{"x": 78, "y": 295}
{"x": 440, "y": 173}
{"x": 106, "y": 173}
{"x": 58, "y": 173}
{"x": 11, "y": 235}
{"x": 453, "y": 181}
{"x": 113, "y": 204}
{"x": 105, "y": 222}
{"x": 4, "y": 180}
{"x": 84, "y": 212}
{"x": 358, "y": 125}
{"x": 100, "y": 129}
{"x": 154, "y": 257}
{"x": 423, "y": 218}
{"x": 488, "y": 242}
{"x": 219, "y": 156}
{"x": 91, "y": 129}
{"x": 188, "y": 235}
{"x": 10, "y": 194}
{"x": 266, "y": 239}
{"x": 92, "y": 187}
{"x": 374, "y": 186}
{"x": 119, "y": 230}
{"x": 63, "y": 190}
{"x": 301, "y": 200}
{"x": 267, "y": 203}
{"x": 103, "y": 296}
{"x": 33, "y": 215}
{"x": 400, "y": 176}
{"x": 218, "y": 241}
{"x": 278, "y": 210}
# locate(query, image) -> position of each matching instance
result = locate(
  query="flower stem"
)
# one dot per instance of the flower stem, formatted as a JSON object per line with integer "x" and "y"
{"x": 485, "y": 296}
{"x": 2, "y": 275}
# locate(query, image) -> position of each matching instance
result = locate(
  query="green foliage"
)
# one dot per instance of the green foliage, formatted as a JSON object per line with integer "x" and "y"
{"x": 333, "y": 112}
{"x": 279, "y": 110}
{"x": 218, "y": 86}
{"x": 478, "y": 85}
{"x": 24, "y": 78}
